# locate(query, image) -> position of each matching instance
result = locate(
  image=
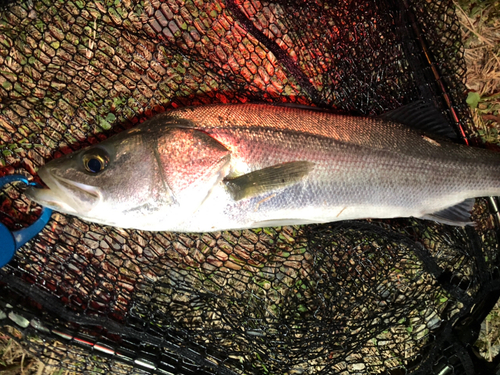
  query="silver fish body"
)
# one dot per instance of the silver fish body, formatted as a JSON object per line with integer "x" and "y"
{"x": 221, "y": 167}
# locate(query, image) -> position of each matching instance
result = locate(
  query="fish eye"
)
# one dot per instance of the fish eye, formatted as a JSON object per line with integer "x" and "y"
{"x": 95, "y": 160}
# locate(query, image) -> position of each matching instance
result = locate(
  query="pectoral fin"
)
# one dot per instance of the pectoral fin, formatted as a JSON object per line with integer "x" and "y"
{"x": 458, "y": 215}
{"x": 267, "y": 179}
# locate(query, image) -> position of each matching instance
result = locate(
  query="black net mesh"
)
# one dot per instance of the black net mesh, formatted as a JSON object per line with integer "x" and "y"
{"x": 383, "y": 297}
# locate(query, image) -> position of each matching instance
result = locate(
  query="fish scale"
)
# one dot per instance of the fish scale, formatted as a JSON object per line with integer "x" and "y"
{"x": 220, "y": 167}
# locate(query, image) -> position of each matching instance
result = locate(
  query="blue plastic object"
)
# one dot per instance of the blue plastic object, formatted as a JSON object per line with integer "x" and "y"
{"x": 11, "y": 241}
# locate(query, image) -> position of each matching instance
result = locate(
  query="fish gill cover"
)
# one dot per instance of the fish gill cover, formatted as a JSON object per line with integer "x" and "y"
{"x": 385, "y": 297}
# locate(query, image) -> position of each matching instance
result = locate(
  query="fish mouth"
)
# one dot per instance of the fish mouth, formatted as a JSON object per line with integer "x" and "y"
{"x": 64, "y": 195}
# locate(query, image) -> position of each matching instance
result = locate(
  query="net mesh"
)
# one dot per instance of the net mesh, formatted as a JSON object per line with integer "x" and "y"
{"x": 382, "y": 297}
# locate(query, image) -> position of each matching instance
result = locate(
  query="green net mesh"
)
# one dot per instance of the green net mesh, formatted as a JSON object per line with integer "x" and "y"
{"x": 382, "y": 297}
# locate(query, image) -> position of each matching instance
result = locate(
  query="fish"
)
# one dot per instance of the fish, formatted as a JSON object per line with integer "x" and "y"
{"x": 238, "y": 166}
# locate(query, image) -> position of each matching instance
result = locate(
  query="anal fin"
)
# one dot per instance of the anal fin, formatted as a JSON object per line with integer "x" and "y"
{"x": 458, "y": 215}
{"x": 267, "y": 179}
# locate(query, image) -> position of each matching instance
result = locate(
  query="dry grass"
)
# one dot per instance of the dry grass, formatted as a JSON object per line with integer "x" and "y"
{"x": 14, "y": 360}
{"x": 481, "y": 35}
{"x": 489, "y": 338}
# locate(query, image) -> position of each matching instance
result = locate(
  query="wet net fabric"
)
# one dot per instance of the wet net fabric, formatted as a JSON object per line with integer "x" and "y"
{"x": 383, "y": 297}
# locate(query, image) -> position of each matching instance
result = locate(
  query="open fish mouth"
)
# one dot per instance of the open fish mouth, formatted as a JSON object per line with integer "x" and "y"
{"x": 64, "y": 195}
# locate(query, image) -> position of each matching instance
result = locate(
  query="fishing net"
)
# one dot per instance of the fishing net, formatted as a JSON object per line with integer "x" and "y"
{"x": 392, "y": 297}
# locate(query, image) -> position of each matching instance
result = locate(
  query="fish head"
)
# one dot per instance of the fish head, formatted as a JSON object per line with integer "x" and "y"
{"x": 103, "y": 183}
{"x": 150, "y": 177}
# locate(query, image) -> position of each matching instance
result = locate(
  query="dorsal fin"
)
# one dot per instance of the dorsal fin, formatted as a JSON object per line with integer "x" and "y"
{"x": 303, "y": 106}
{"x": 422, "y": 116}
